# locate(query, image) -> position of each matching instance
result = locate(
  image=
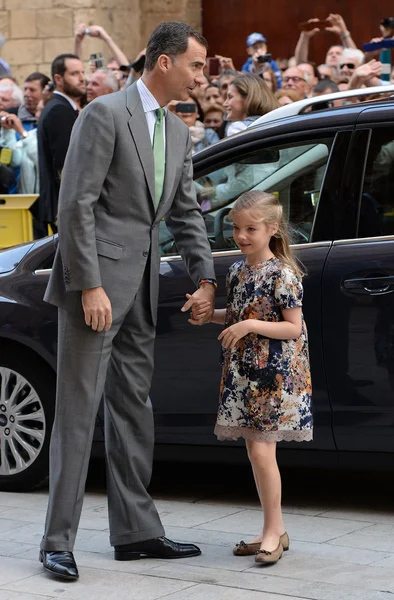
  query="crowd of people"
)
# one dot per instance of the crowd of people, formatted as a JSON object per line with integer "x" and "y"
{"x": 36, "y": 119}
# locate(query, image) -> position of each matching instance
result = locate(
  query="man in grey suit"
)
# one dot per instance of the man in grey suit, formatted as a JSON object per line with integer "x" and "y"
{"x": 128, "y": 166}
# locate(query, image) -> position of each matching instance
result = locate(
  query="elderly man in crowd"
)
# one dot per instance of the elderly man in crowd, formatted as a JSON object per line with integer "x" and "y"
{"x": 11, "y": 96}
{"x": 294, "y": 79}
{"x": 101, "y": 82}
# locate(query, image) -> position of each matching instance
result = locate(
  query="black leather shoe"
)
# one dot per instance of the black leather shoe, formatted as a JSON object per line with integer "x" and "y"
{"x": 61, "y": 564}
{"x": 157, "y": 548}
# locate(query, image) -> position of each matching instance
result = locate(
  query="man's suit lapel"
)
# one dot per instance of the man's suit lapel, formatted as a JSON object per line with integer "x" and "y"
{"x": 140, "y": 132}
{"x": 172, "y": 156}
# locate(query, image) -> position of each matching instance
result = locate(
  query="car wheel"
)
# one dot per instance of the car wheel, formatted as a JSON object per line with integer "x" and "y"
{"x": 27, "y": 405}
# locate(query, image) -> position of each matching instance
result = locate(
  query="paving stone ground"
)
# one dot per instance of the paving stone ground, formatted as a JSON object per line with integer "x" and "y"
{"x": 341, "y": 528}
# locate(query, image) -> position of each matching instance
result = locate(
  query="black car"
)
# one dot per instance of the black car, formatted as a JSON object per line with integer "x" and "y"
{"x": 333, "y": 171}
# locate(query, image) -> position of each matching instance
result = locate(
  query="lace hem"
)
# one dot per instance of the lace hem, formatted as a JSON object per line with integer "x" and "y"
{"x": 281, "y": 435}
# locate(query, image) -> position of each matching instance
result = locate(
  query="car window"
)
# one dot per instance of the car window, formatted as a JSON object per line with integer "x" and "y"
{"x": 377, "y": 199}
{"x": 293, "y": 173}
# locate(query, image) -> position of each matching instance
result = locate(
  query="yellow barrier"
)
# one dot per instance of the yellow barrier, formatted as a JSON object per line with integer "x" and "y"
{"x": 16, "y": 223}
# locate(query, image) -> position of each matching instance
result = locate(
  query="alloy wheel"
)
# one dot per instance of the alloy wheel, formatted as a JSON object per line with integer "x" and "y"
{"x": 22, "y": 423}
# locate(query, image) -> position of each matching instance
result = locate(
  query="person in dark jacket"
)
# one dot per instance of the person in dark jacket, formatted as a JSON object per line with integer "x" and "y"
{"x": 54, "y": 130}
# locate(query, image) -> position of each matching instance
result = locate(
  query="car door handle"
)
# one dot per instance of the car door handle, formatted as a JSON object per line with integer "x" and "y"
{"x": 381, "y": 284}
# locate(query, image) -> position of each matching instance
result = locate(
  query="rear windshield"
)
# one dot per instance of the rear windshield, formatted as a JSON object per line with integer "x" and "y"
{"x": 11, "y": 257}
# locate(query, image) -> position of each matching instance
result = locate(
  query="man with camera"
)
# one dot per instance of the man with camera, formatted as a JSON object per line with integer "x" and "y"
{"x": 256, "y": 48}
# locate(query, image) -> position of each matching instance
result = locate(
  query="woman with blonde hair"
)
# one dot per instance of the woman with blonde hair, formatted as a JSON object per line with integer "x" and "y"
{"x": 248, "y": 98}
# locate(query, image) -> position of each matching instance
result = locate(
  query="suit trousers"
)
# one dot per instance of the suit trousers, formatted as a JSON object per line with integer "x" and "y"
{"x": 116, "y": 365}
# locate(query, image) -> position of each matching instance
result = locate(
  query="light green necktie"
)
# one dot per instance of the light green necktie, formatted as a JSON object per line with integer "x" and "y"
{"x": 159, "y": 155}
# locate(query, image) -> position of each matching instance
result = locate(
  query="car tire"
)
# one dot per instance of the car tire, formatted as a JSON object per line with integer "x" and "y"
{"x": 27, "y": 408}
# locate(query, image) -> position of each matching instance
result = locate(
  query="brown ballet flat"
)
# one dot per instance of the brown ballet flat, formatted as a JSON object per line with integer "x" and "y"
{"x": 244, "y": 549}
{"x": 263, "y": 557}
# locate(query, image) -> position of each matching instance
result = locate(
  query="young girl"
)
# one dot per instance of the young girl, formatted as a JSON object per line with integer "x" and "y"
{"x": 265, "y": 393}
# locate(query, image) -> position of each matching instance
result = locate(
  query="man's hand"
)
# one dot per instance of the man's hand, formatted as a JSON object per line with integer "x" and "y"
{"x": 80, "y": 31}
{"x": 337, "y": 24}
{"x": 98, "y": 32}
{"x": 225, "y": 62}
{"x": 233, "y": 334}
{"x": 373, "y": 68}
{"x": 311, "y": 32}
{"x": 97, "y": 308}
{"x": 201, "y": 304}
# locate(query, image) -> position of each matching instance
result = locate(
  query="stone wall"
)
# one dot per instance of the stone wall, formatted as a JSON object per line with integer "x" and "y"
{"x": 38, "y": 30}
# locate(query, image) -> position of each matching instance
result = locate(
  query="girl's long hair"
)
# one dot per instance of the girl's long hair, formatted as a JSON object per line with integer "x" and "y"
{"x": 266, "y": 208}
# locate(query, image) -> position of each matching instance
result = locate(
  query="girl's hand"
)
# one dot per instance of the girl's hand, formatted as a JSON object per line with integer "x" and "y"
{"x": 231, "y": 335}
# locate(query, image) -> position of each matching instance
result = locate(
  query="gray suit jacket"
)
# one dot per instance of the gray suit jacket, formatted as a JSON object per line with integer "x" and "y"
{"x": 108, "y": 228}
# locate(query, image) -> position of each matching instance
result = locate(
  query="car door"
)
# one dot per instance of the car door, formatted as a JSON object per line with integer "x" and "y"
{"x": 302, "y": 171}
{"x": 358, "y": 296}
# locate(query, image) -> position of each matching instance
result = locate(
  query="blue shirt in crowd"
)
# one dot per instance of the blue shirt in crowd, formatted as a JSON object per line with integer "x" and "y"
{"x": 248, "y": 68}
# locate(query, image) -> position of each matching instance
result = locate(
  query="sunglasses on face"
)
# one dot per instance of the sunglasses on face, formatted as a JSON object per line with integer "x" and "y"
{"x": 348, "y": 65}
{"x": 295, "y": 79}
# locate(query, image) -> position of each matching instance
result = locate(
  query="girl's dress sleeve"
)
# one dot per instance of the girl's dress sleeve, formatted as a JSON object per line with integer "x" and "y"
{"x": 288, "y": 290}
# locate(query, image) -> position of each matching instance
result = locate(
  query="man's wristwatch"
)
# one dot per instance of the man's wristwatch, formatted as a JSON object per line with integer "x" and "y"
{"x": 208, "y": 280}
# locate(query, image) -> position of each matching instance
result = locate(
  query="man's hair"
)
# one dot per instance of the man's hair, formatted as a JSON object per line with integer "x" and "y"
{"x": 17, "y": 94}
{"x": 259, "y": 99}
{"x": 170, "y": 38}
{"x": 111, "y": 80}
{"x": 351, "y": 54}
{"x": 324, "y": 85}
{"x": 313, "y": 65}
{"x": 58, "y": 66}
{"x": 37, "y": 76}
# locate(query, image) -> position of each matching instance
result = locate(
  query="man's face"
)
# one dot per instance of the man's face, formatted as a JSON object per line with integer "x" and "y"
{"x": 185, "y": 73}
{"x": 96, "y": 86}
{"x": 347, "y": 67}
{"x": 327, "y": 72}
{"x": 257, "y": 46}
{"x": 294, "y": 79}
{"x": 309, "y": 73}
{"x": 333, "y": 55}
{"x": 224, "y": 83}
{"x": 73, "y": 82}
{"x": 113, "y": 65}
{"x": 6, "y": 101}
{"x": 213, "y": 119}
{"x": 32, "y": 93}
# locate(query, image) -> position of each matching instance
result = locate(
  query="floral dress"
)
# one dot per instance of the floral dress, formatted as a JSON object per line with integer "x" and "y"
{"x": 265, "y": 391}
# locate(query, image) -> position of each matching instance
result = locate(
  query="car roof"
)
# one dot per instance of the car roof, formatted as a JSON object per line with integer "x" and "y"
{"x": 303, "y": 106}
{"x": 340, "y": 116}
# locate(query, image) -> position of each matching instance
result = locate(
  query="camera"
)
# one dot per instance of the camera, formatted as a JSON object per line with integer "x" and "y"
{"x": 387, "y": 22}
{"x": 186, "y": 107}
{"x": 264, "y": 58}
{"x": 97, "y": 59}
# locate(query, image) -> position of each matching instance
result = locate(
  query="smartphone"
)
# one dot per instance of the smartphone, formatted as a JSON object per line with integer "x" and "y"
{"x": 185, "y": 107}
{"x": 321, "y": 24}
{"x": 97, "y": 59}
{"x": 213, "y": 65}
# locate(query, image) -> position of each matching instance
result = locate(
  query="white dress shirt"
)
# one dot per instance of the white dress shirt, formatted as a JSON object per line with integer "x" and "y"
{"x": 75, "y": 107}
{"x": 150, "y": 105}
